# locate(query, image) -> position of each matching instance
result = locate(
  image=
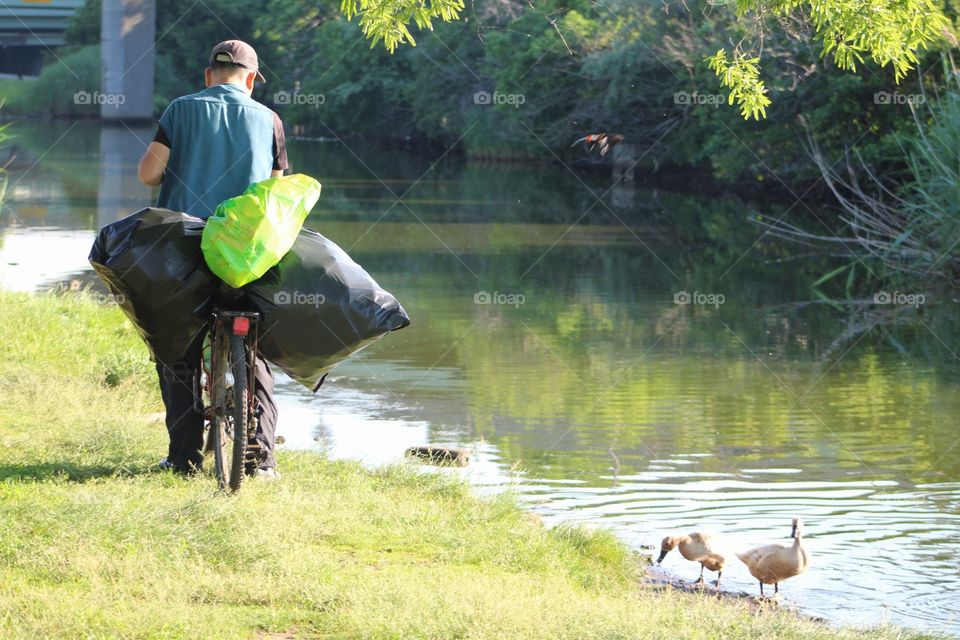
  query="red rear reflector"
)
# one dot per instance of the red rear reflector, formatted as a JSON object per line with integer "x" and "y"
{"x": 241, "y": 326}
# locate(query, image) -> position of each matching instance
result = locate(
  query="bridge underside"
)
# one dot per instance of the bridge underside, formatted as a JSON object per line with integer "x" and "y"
{"x": 28, "y": 29}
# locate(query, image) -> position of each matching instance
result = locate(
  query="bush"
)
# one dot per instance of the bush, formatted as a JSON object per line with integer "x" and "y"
{"x": 60, "y": 89}
{"x": 907, "y": 222}
{"x": 932, "y": 197}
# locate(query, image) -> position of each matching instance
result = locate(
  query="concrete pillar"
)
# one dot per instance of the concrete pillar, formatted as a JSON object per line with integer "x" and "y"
{"x": 127, "y": 31}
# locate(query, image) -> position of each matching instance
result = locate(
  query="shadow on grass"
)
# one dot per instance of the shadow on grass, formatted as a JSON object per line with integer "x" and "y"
{"x": 70, "y": 471}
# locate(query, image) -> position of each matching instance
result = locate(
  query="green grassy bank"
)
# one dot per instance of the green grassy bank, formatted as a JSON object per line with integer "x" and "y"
{"x": 93, "y": 544}
{"x": 14, "y": 92}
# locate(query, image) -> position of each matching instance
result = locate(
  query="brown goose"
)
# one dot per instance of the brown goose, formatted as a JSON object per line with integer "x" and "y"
{"x": 774, "y": 563}
{"x": 696, "y": 547}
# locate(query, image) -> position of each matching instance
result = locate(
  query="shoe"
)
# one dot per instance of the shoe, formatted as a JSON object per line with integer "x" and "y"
{"x": 269, "y": 473}
{"x": 165, "y": 465}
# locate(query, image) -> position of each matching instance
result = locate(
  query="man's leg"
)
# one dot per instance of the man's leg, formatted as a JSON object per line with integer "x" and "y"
{"x": 267, "y": 412}
{"x": 179, "y": 387}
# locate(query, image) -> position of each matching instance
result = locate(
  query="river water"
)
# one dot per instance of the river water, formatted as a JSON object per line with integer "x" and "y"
{"x": 549, "y": 335}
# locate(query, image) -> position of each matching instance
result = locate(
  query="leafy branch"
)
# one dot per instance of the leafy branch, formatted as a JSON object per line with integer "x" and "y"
{"x": 387, "y": 20}
{"x": 742, "y": 76}
{"x": 888, "y": 32}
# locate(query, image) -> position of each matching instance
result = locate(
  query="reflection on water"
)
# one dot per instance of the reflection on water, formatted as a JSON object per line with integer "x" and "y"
{"x": 596, "y": 395}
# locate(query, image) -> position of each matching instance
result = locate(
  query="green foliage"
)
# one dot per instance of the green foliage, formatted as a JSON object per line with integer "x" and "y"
{"x": 54, "y": 90}
{"x": 167, "y": 82}
{"x": 742, "y": 77}
{"x": 907, "y": 224}
{"x": 931, "y": 196}
{"x": 84, "y": 27}
{"x": 633, "y": 84}
{"x": 189, "y": 31}
{"x": 580, "y": 67}
{"x": 387, "y": 21}
{"x": 889, "y": 32}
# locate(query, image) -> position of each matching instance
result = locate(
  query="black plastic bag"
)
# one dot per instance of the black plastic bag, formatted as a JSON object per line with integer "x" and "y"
{"x": 318, "y": 307}
{"x": 151, "y": 262}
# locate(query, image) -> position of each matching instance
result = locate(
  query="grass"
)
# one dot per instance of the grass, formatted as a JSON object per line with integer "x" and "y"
{"x": 96, "y": 545}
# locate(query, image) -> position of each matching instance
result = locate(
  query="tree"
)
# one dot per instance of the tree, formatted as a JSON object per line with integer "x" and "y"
{"x": 889, "y": 32}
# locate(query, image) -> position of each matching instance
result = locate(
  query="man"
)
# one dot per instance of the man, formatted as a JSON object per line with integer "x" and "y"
{"x": 211, "y": 146}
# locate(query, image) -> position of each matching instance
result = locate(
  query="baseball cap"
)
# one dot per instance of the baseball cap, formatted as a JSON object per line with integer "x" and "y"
{"x": 237, "y": 52}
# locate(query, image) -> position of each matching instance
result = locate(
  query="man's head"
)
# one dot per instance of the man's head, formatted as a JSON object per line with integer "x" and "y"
{"x": 234, "y": 62}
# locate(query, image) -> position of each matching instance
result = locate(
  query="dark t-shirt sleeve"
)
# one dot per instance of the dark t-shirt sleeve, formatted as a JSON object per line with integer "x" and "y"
{"x": 162, "y": 137}
{"x": 279, "y": 146}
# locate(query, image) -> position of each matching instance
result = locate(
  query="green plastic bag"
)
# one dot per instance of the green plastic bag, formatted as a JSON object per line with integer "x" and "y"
{"x": 249, "y": 234}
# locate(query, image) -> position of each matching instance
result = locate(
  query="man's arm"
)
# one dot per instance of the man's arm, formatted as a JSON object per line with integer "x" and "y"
{"x": 280, "y": 163}
{"x": 153, "y": 164}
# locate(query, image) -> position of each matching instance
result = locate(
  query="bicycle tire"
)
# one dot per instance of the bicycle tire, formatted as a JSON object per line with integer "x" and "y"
{"x": 219, "y": 423}
{"x": 238, "y": 356}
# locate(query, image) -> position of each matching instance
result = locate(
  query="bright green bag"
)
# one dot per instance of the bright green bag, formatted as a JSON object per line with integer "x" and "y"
{"x": 249, "y": 234}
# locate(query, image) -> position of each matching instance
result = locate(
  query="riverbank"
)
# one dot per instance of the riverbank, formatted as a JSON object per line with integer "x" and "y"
{"x": 95, "y": 544}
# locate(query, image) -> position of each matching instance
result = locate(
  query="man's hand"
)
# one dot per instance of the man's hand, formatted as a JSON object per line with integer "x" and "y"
{"x": 153, "y": 164}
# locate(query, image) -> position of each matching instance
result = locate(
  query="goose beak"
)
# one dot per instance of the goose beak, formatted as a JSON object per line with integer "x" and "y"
{"x": 663, "y": 554}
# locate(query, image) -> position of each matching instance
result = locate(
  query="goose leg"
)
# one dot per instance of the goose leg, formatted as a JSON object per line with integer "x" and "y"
{"x": 776, "y": 588}
{"x": 761, "y": 588}
{"x": 700, "y": 579}
{"x": 719, "y": 573}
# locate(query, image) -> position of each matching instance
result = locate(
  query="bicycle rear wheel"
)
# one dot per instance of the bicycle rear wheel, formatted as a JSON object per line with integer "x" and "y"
{"x": 221, "y": 423}
{"x": 229, "y": 423}
{"x": 238, "y": 357}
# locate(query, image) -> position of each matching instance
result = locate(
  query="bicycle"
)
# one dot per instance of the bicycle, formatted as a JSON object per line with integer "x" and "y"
{"x": 229, "y": 407}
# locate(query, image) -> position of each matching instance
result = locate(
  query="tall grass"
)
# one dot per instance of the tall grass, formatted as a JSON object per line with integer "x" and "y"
{"x": 931, "y": 201}
{"x": 906, "y": 223}
{"x": 94, "y": 544}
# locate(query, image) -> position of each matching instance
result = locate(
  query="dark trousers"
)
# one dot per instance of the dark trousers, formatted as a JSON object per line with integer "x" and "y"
{"x": 180, "y": 388}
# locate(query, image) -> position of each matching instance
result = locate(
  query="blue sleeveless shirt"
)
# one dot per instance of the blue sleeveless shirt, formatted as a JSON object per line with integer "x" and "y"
{"x": 221, "y": 141}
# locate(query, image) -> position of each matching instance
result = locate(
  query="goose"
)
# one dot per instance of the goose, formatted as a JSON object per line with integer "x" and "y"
{"x": 696, "y": 547}
{"x": 774, "y": 563}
